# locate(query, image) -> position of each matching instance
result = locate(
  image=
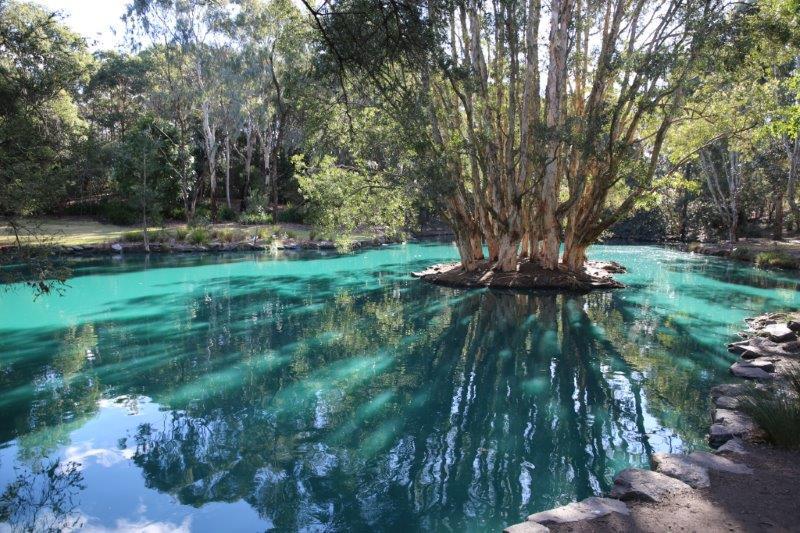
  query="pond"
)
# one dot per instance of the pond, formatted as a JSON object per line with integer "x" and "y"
{"x": 309, "y": 391}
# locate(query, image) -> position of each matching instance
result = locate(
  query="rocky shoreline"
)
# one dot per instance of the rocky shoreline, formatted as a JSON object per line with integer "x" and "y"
{"x": 682, "y": 486}
{"x": 176, "y": 247}
{"x": 598, "y": 275}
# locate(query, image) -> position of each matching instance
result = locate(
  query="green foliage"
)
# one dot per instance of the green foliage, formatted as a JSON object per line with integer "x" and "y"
{"x": 255, "y": 216}
{"x": 181, "y": 233}
{"x": 121, "y": 214}
{"x": 291, "y": 215}
{"x": 776, "y": 260}
{"x": 777, "y": 412}
{"x": 742, "y": 254}
{"x": 226, "y": 214}
{"x": 132, "y": 236}
{"x": 198, "y": 236}
{"x": 343, "y": 198}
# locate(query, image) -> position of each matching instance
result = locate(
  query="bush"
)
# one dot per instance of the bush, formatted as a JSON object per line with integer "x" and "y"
{"x": 226, "y": 214}
{"x": 291, "y": 215}
{"x": 121, "y": 214}
{"x": 776, "y": 260}
{"x": 255, "y": 217}
{"x": 181, "y": 233}
{"x": 229, "y": 235}
{"x": 266, "y": 234}
{"x": 742, "y": 254}
{"x": 291, "y": 234}
{"x": 778, "y": 414}
{"x": 132, "y": 236}
{"x": 198, "y": 236}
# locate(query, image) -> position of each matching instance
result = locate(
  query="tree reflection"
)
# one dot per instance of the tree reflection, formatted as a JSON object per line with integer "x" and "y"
{"x": 43, "y": 498}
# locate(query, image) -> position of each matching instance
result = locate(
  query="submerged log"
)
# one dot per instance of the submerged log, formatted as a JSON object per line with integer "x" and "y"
{"x": 528, "y": 275}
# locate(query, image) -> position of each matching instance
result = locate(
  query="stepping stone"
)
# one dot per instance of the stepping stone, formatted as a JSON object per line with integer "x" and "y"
{"x": 749, "y": 371}
{"x": 735, "y": 445}
{"x": 645, "y": 485}
{"x": 729, "y": 389}
{"x": 726, "y": 402}
{"x": 729, "y": 424}
{"x": 779, "y": 333}
{"x": 526, "y": 527}
{"x": 683, "y": 468}
{"x": 720, "y": 464}
{"x": 587, "y": 509}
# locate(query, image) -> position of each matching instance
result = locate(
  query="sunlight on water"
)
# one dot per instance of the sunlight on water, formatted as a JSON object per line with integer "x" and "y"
{"x": 316, "y": 391}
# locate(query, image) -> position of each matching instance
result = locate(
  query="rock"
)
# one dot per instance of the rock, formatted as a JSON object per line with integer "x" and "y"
{"x": 720, "y": 464}
{"x": 739, "y": 347}
{"x": 791, "y": 347}
{"x": 726, "y": 402}
{"x": 117, "y": 247}
{"x": 735, "y": 445}
{"x": 729, "y": 389}
{"x": 587, "y": 509}
{"x": 748, "y": 371}
{"x": 779, "y": 333}
{"x": 729, "y": 424}
{"x": 645, "y": 485}
{"x": 683, "y": 468}
{"x": 526, "y": 527}
{"x": 793, "y": 325}
{"x": 767, "y": 365}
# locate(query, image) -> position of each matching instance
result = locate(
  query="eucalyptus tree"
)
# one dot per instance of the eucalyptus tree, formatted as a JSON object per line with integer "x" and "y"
{"x": 530, "y": 157}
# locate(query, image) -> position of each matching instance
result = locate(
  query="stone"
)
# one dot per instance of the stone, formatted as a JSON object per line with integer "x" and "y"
{"x": 117, "y": 247}
{"x": 733, "y": 446}
{"x": 779, "y": 333}
{"x": 793, "y": 325}
{"x": 729, "y": 424}
{"x": 645, "y": 485}
{"x": 748, "y": 371}
{"x": 587, "y": 509}
{"x": 683, "y": 468}
{"x": 726, "y": 402}
{"x": 527, "y": 527}
{"x": 792, "y": 347}
{"x": 720, "y": 464}
{"x": 729, "y": 389}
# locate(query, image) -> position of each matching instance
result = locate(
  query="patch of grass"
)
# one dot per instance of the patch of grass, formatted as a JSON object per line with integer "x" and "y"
{"x": 229, "y": 235}
{"x": 181, "y": 233}
{"x": 132, "y": 236}
{"x": 742, "y": 254}
{"x": 778, "y": 414}
{"x": 198, "y": 236}
{"x": 775, "y": 260}
{"x": 291, "y": 234}
{"x": 266, "y": 234}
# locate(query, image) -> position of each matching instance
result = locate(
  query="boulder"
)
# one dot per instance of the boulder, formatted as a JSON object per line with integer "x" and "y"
{"x": 748, "y": 371}
{"x": 729, "y": 424}
{"x": 733, "y": 446}
{"x": 726, "y": 402}
{"x": 793, "y": 325}
{"x": 645, "y": 485}
{"x": 779, "y": 333}
{"x": 526, "y": 527}
{"x": 683, "y": 468}
{"x": 720, "y": 464}
{"x": 587, "y": 509}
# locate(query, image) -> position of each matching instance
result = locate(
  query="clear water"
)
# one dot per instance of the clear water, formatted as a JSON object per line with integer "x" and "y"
{"x": 336, "y": 393}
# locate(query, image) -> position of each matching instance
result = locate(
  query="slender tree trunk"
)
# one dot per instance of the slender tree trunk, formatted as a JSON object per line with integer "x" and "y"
{"x": 145, "y": 238}
{"x": 228, "y": 170}
{"x": 777, "y": 227}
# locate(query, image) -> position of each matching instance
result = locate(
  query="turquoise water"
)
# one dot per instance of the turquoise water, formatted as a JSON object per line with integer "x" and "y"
{"x": 322, "y": 392}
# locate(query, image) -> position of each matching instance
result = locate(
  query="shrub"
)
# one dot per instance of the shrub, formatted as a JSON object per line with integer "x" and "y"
{"x": 229, "y": 235}
{"x": 291, "y": 215}
{"x": 291, "y": 234}
{"x": 226, "y": 213}
{"x": 776, "y": 259}
{"x": 132, "y": 236}
{"x": 181, "y": 233}
{"x": 266, "y": 234}
{"x": 121, "y": 214}
{"x": 742, "y": 254}
{"x": 198, "y": 236}
{"x": 777, "y": 413}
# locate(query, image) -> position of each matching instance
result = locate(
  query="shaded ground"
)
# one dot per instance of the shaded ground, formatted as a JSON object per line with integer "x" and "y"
{"x": 767, "y": 500}
{"x": 748, "y": 250}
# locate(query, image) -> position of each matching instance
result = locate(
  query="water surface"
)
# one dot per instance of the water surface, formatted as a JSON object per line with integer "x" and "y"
{"x": 335, "y": 393}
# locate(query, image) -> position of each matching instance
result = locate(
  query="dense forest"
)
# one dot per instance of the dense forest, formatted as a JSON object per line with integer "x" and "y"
{"x": 525, "y": 126}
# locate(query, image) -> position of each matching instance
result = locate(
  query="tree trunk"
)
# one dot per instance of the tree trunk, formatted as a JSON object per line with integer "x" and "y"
{"x": 470, "y": 249}
{"x": 228, "y": 170}
{"x": 777, "y": 228}
{"x": 575, "y": 257}
{"x": 144, "y": 202}
{"x": 507, "y": 253}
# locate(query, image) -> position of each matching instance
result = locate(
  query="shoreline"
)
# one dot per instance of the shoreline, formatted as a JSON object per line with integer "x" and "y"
{"x": 708, "y": 491}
